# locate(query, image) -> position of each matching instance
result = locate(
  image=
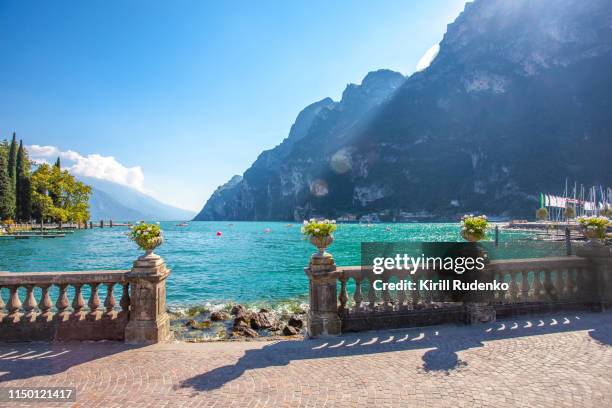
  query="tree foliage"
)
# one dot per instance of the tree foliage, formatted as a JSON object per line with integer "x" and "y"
{"x": 7, "y": 200}
{"x": 58, "y": 196}
{"x": 45, "y": 194}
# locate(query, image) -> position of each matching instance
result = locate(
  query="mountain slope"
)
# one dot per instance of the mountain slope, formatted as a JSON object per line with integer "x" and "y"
{"x": 517, "y": 100}
{"x": 121, "y": 203}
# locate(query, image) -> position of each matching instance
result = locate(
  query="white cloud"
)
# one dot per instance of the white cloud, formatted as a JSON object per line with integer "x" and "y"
{"x": 42, "y": 151}
{"x": 428, "y": 57}
{"x": 93, "y": 165}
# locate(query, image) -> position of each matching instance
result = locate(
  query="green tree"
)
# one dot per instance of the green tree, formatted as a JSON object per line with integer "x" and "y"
{"x": 542, "y": 214}
{"x": 58, "y": 196}
{"x": 24, "y": 186}
{"x": 7, "y": 202}
{"x": 58, "y": 164}
{"x": 12, "y": 162}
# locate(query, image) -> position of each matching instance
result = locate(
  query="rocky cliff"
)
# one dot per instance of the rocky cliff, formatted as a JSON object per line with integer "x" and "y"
{"x": 518, "y": 98}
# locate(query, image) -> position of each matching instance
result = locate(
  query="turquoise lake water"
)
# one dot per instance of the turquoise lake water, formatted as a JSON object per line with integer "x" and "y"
{"x": 245, "y": 264}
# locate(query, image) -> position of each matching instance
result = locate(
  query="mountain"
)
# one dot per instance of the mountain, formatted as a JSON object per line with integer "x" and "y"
{"x": 517, "y": 100}
{"x": 120, "y": 203}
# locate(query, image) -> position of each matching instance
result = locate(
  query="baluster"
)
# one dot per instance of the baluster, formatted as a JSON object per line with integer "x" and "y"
{"x": 536, "y": 287}
{"x": 30, "y": 303}
{"x": 571, "y": 283}
{"x": 524, "y": 286}
{"x": 94, "y": 301}
{"x": 386, "y": 296}
{"x": 343, "y": 297}
{"x": 416, "y": 296}
{"x": 548, "y": 286}
{"x": 357, "y": 296}
{"x": 62, "y": 303}
{"x": 125, "y": 299}
{"x": 14, "y": 305}
{"x": 501, "y": 294}
{"x": 559, "y": 283}
{"x": 45, "y": 304}
{"x": 109, "y": 302}
{"x": 78, "y": 302}
{"x": 2, "y": 306}
{"x": 401, "y": 294}
{"x": 372, "y": 294}
{"x": 513, "y": 287}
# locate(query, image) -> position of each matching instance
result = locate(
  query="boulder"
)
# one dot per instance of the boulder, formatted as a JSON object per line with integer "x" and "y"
{"x": 263, "y": 320}
{"x": 290, "y": 331}
{"x": 244, "y": 332}
{"x": 219, "y": 316}
{"x": 198, "y": 325}
{"x": 243, "y": 320}
{"x": 296, "y": 321}
{"x": 238, "y": 310}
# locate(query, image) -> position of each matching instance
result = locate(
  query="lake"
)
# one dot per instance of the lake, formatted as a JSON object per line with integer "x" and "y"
{"x": 245, "y": 264}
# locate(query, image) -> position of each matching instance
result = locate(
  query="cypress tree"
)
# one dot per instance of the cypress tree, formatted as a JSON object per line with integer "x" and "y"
{"x": 12, "y": 173}
{"x": 58, "y": 164}
{"x": 12, "y": 162}
{"x": 7, "y": 205}
{"x": 24, "y": 186}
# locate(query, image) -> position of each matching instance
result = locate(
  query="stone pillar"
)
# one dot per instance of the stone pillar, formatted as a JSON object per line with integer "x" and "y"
{"x": 323, "y": 317}
{"x": 599, "y": 292}
{"x": 148, "y": 322}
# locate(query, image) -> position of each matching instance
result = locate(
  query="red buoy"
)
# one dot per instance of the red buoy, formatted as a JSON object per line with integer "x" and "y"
{"x": 218, "y": 233}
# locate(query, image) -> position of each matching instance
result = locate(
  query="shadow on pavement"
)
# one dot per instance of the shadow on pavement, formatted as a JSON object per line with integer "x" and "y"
{"x": 443, "y": 342}
{"x": 27, "y": 360}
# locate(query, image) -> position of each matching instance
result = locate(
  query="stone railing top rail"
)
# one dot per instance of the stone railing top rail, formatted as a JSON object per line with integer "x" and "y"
{"x": 61, "y": 278}
{"x": 496, "y": 265}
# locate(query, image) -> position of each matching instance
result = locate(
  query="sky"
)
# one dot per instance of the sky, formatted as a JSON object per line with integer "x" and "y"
{"x": 173, "y": 98}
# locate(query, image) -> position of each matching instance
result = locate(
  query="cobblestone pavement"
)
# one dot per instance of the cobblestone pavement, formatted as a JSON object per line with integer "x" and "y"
{"x": 544, "y": 361}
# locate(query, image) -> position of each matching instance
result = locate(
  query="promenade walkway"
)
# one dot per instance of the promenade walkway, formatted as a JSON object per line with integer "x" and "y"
{"x": 562, "y": 360}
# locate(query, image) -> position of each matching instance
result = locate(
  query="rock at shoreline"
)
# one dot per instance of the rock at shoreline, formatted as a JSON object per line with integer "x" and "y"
{"x": 245, "y": 332}
{"x": 290, "y": 331}
{"x": 198, "y": 325}
{"x": 219, "y": 316}
{"x": 295, "y": 321}
{"x": 238, "y": 310}
{"x": 264, "y": 320}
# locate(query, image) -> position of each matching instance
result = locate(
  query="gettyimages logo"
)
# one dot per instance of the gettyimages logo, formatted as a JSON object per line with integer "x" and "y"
{"x": 454, "y": 268}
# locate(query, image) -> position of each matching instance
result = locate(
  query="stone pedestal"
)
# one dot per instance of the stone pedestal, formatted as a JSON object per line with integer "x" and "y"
{"x": 600, "y": 257}
{"x": 476, "y": 313}
{"x": 323, "y": 317}
{"x": 149, "y": 322}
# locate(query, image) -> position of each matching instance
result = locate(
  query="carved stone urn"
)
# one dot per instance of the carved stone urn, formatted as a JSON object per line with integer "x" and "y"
{"x": 471, "y": 237}
{"x": 149, "y": 247}
{"x": 321, "y": 243}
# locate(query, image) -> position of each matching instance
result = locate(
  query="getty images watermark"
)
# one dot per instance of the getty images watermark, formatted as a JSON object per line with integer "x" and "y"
{"x": 458, "y": 266}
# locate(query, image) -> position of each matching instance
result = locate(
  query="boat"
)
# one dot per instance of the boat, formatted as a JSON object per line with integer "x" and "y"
{"x": 183, "y": 224}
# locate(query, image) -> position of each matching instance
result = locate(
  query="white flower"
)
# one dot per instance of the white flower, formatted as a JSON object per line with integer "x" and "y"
{"x": 316, "y": 230}
{"x": 305, "y": 222}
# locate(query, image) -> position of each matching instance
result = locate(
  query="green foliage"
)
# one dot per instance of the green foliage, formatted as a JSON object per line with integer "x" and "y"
{"x": 542, "y": 214}
{"x": 69, "y": 201}
{"x": 146, "y": 236}
{"x": 23, "y": 193}
{"x": 12, "y": 162}
{"x": 474, "y": 225}
{"x": 598, "y": 224}
{"x": 316, "y": 228}
{"x": 7, "y": 200}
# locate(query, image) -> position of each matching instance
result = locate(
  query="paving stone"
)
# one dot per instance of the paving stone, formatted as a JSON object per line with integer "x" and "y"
{"x": 444, "y": 366}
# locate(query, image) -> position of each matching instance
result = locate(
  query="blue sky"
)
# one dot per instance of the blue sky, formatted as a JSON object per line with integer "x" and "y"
{"x": 185, "y": 94}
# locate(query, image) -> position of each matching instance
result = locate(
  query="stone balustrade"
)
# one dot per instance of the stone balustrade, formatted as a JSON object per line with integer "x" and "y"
{"x": 121, "y": 305}
{"x": 534, "y": 285}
